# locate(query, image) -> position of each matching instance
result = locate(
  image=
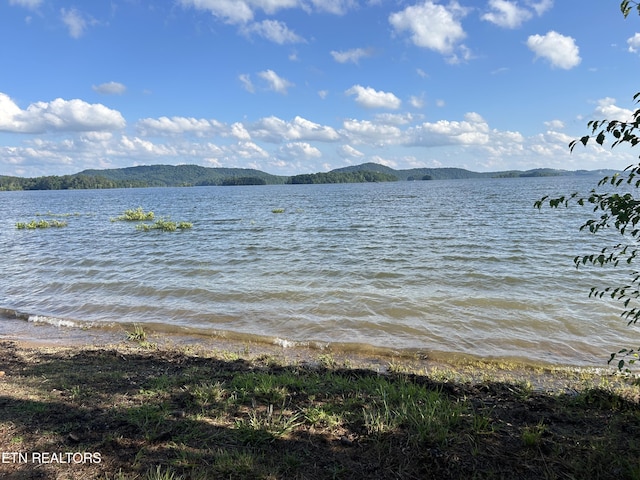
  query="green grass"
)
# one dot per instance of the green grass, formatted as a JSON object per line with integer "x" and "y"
{"x": 197, "y": 414}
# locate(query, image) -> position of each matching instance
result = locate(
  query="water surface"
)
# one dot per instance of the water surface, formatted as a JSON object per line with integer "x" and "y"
{"x": 461, "y": 266}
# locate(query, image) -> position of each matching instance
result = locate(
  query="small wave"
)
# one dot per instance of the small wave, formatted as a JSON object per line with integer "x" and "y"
{"x": 284, "y": 343}
{"x": 56, "y": 322}
{"x": 9, "y": 313}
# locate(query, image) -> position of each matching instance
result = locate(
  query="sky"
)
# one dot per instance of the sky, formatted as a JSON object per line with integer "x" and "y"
{"x": 304, "y": 86}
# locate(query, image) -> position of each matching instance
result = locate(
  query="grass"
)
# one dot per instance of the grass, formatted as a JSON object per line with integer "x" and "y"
{"x": 196, "y": 413}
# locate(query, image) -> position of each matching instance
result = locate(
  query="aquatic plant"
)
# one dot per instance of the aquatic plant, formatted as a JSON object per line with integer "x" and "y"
{"x": 33, "y": 224}
{"x": 164, "y": 225}
{"x": 277, "y": 210}
{"x": 137, "y": 215}
{"x": 137, "y": 335}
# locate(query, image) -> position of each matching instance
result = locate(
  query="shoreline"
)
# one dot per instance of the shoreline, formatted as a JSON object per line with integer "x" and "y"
{"x": 153, "y": 407}
{"x": 48, "y": 332}
{"x": 541, "y": 376}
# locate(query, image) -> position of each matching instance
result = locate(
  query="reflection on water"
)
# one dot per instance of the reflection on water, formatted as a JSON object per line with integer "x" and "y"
{"x": 450, "y": 266}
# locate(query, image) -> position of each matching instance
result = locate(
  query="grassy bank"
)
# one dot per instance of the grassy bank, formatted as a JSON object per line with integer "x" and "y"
{"x": 136, "y": 410}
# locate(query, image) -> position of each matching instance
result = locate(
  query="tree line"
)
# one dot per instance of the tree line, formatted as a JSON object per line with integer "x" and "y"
{"x": 342, "y": 177}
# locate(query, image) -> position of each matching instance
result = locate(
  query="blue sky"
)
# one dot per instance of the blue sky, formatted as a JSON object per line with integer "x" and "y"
{"x": 299, "y": 86}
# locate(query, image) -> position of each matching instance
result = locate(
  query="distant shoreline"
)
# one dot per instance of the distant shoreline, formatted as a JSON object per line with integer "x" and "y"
{"x": 195, "y": 175}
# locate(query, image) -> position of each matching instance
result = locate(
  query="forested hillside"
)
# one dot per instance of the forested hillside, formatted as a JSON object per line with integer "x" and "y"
{"x": 195, "y": 175}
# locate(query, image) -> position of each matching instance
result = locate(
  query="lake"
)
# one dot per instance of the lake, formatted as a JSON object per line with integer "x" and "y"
{"x": 435, "y": 267}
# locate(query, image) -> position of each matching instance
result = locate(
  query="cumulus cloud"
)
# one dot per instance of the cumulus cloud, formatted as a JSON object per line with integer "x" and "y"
{"x": 273, "y": 129}
{"x": 370, "y": 98}
{"x": 506, "y": 14}
{"x": 394, "y": 118}
{"x": 179, "y": 126}
{"x": 555, "y": 124}
{"x": 230, "y": 11}
{"x": 248, "y": 150}
{"x": 510, "y": 14}
{"x": 472, "y": 131}
{"x": 634, "y": 43}
{"x": 607, "y": 108}
{"x": 561, "y": 51}
{"x": 366, "y": 132}
{"x": 347, "y": 151}
{"x": 299, "y": 150}
{"x": 273, "y": 30}
{"x": 354, "y": 55}
{"x": 275, "y": 82}
{"x": 432, "y": 26}
{"x": 110, "y": 88}
{"x": 240, "y": 132}
{"x": 541, "y": 6}
{"x": 59, "y": 115}
{"x": 243, "y": 11}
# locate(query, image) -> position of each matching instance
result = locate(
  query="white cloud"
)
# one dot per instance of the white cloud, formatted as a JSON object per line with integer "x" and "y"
{"x": 416, "y": 102}
{"x": 394, "y": 118}
{"x": 243, "y": 11}
{"x": 540, "y": 7}
{"x": 510, "y": 14}
{"x": 74, "y": 21}
{"x": 370, "y": 98}
{"x": 110, "y": 88}
{"x": 365, "y": 132}
{"x": 354, "y": 55}
{"x": 240, "y": 132}
{"x": 433, "y": 26}
{"x": 179, "y": 126}
{"x": 634, "y": 43}
{"x": 30, "y": 4}
{"x": 58, "y": 115}
{"x": 608, "y": 109}
{"x": 273, "y": 30}
{"x": 247, "y": 150}
{"x": 472, "y": 131}
{"x": 275, "y": 130}
{"x": 323, "y": 94}
{"x": 230, "y": 11}
{"x": 558, "y": 49}
{"x": 275, "y": 82}
{"x": 347, "y": 151}
{"x": 555, "y": 124}
{"x": 507, "y": 14}
{"x": 299, "y": 150}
